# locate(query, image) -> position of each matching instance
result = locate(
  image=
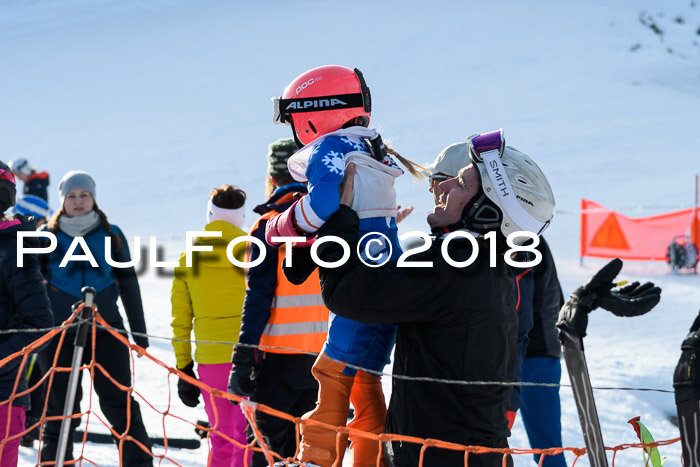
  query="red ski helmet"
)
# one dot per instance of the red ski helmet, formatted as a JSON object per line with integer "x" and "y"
{"x": 322, "y": 100}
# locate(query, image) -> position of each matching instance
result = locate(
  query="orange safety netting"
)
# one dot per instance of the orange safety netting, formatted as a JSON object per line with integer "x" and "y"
{"x": 608, "y": 234}
{"x": 248, "y": 408}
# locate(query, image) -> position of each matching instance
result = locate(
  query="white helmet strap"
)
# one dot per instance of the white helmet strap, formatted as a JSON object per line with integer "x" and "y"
{"x": 506, "y": 196}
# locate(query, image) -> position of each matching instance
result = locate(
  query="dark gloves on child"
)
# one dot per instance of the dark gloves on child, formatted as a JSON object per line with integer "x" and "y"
{"x": 241, "y": 380}
{"x": 631, "y": 300}
{"x": 188, "y": 393}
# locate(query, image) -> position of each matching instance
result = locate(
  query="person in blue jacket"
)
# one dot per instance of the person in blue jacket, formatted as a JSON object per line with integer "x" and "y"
{"x": 24, "y": 305}
{"x": 79, "y": 216}
{"x": 541, "y": 409}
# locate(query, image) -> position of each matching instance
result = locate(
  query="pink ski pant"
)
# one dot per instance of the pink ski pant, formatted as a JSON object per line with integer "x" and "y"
{"x": 228, "y": 420}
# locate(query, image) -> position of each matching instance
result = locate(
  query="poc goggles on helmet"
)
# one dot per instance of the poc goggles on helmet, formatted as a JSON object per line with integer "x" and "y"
{"x": 283, "y": 108}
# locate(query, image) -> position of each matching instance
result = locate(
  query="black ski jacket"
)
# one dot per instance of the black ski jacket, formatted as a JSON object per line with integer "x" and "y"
{"x": 23, "y": 305}
{"x": 453, "y": 324}
{"x": 547, "y": 301}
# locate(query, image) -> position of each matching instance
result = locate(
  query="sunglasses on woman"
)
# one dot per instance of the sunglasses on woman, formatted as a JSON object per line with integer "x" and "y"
{"x": 437, "y": 178}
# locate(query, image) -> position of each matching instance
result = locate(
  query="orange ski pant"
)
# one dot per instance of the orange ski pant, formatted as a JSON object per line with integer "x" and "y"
{"x": 336, "y": 392}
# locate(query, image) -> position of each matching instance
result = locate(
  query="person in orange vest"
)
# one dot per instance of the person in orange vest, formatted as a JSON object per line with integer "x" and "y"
{"x": 35, "y": 183}
{"x": 208, "y": 298}
{"x": 283, "y": 325}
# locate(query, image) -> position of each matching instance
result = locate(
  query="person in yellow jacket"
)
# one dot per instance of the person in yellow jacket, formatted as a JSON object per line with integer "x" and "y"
{"x": 208, "y": 296}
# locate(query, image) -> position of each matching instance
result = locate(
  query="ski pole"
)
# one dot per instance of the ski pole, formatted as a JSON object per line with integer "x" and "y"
{"x": 634, "y": 300}
{"x": 79, "y": 344}
{"x": 572, "y": 347}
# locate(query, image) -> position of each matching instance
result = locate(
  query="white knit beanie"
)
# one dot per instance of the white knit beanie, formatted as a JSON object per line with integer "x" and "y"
{"x": 233, "y": 216}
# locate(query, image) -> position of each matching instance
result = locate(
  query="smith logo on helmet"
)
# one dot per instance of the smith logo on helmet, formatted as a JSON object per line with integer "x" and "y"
{"x": 525, "y": 200}
{"x": 314, "y": 104}
{"x": 499, "y": 178}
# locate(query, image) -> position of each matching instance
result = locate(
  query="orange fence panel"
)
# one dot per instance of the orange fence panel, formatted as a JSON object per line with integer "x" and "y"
{"x": 608, "y": 234}
{"x": 249, "y": 409}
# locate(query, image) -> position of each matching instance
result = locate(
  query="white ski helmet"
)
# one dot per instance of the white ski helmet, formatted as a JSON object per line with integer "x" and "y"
{"x": 514, "y": 183}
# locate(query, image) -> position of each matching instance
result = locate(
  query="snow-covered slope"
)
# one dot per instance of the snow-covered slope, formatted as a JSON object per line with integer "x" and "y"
{"x": 163, "y": 100}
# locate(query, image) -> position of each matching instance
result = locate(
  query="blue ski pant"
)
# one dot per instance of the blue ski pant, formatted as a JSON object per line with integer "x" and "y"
{"x": 541, "y": 409}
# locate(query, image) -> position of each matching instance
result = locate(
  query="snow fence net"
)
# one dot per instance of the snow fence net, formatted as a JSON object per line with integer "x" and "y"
{"x": 90, "y": 417}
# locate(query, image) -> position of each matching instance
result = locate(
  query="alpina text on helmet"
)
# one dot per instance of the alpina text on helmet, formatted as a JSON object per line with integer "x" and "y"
{"x": 314, "y": 104}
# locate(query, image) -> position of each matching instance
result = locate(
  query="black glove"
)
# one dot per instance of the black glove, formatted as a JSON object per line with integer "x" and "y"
{"x": 201, "y": 432}
{"x": 573, "y": 316}
{"x": 188, "y": 393}
{"x": 242, "y": 376}
{"x": 302, "y": 265}
{"x": 140, "y": 340}
{"x": 631, "y": 300}
{"x": 686, "y": 377}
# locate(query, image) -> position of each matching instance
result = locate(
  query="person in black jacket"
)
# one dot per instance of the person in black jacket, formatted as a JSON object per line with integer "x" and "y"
{"x": 79, "y": 216}
{"x": 446, "y": 165}
{"x": 454, "y": 323}
{"x": 686, "y": 386}
{"x": 279, "y": 378}
{"x": 23, "y": 305}
{"x": 539, "y": 351}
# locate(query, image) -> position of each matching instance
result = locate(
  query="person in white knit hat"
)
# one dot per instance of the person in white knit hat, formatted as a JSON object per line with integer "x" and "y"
{"x": 208, "y": 297}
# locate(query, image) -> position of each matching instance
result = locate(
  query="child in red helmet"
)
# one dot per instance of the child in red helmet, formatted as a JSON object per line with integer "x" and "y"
{"x": 329, "y": 109}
